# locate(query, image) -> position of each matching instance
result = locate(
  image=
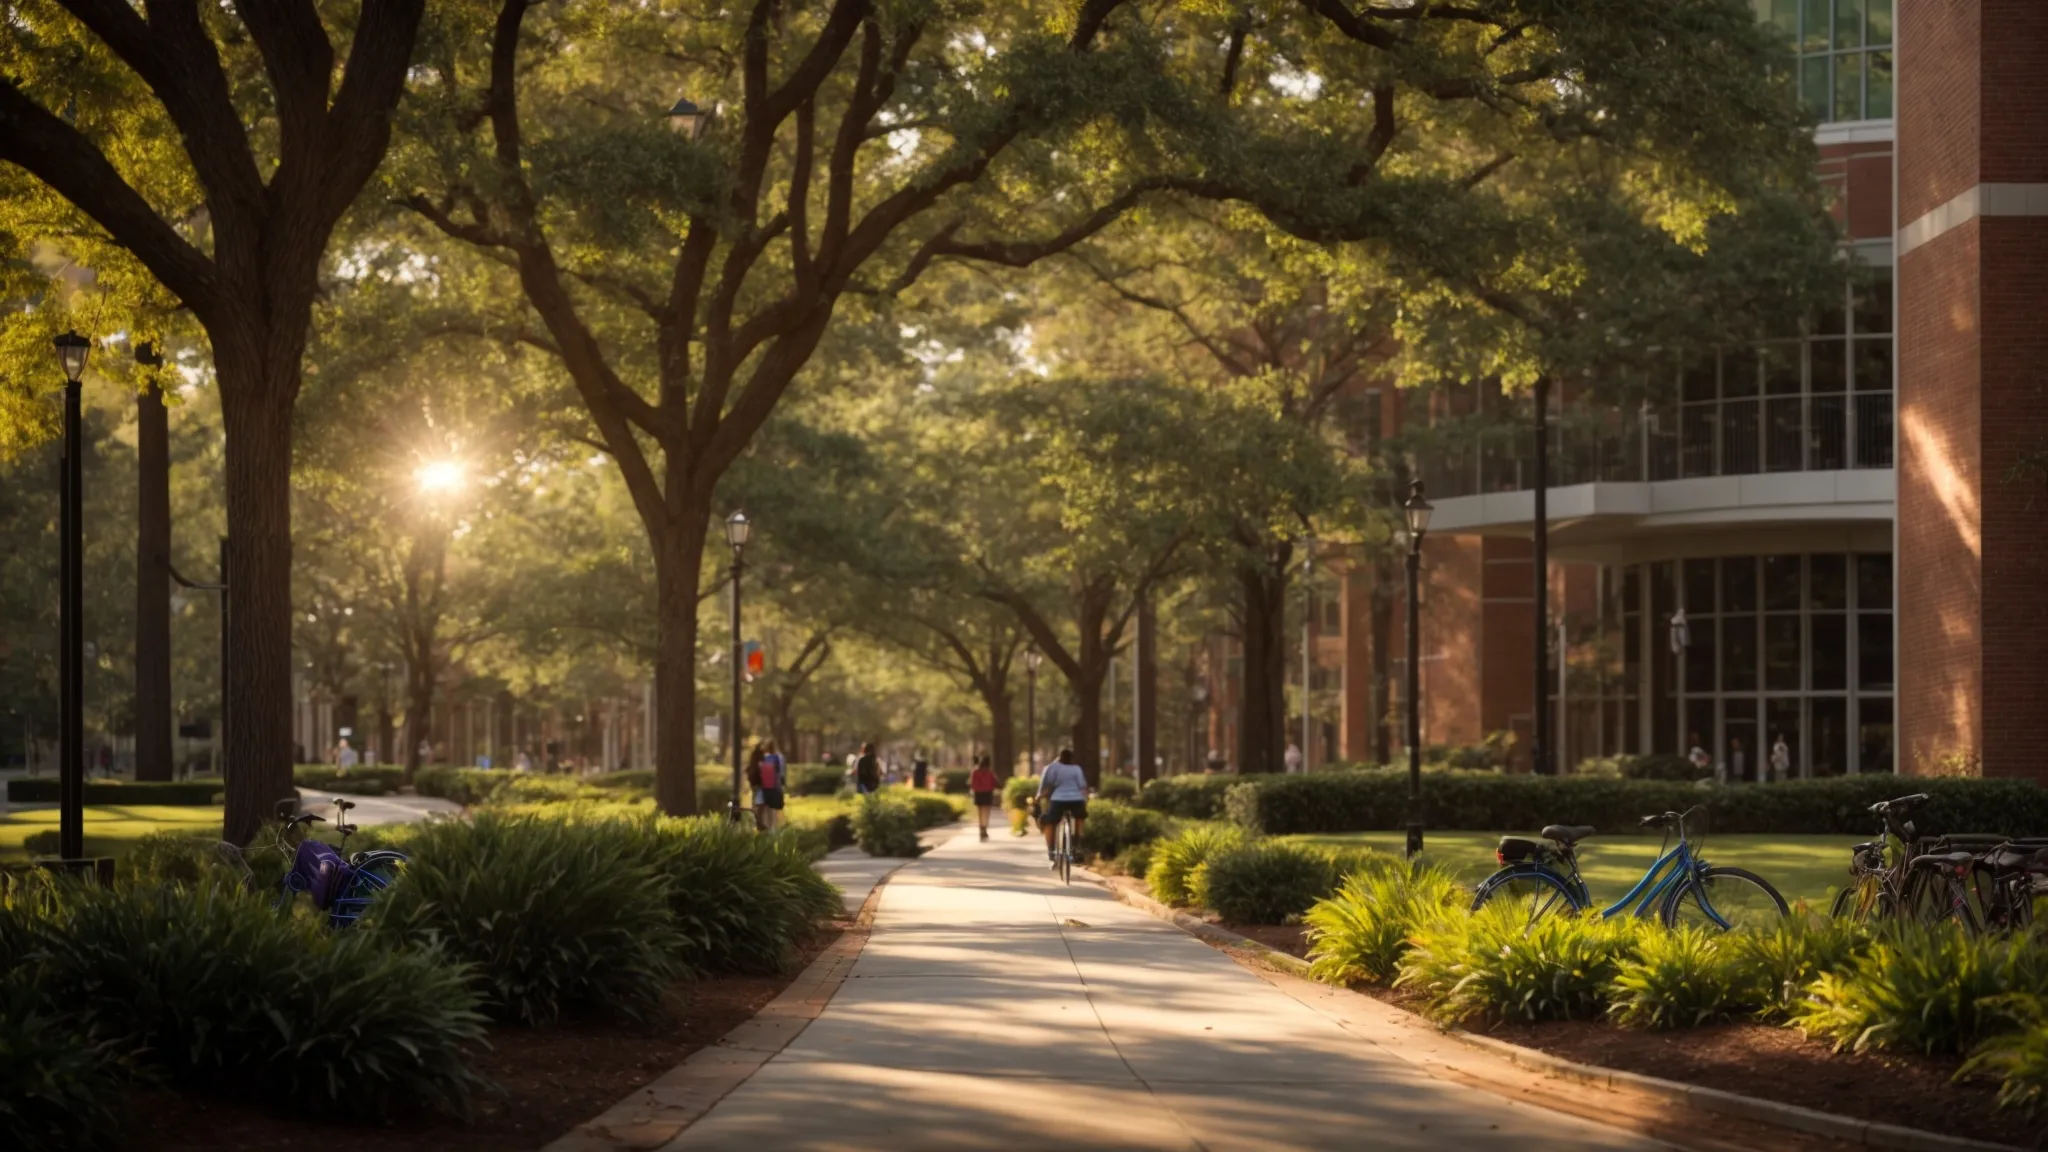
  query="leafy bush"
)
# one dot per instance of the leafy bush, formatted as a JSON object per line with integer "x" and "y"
{"x": 557, "y": 916}
{"x": 1171, "y": 871}
{"x": 742, "y": 901}
{"x": 1114, "y": 827}
{"x": 362, "y": 780}
{"x": 173, "y": 857}
{"x": 1122, "y": 789}
{"x": 1778, "y": 963}
{"x": 1927, "y": 988}
{"x": 2018, "y": 1058}
{"x": 1361, "y": 932}
{"x": 1495, "y": 965}
{"x": 815, "y": 779}
{"x": 182, "y": 793}
{"x": 1678, "y": 979}
{"x": 1136, "y": 859}
{"x": 931, "y": 810}
{"x": 954, "y": 781}
{"x": 1193, "y": 797}
{"x": 59, "y": 1088}
{"x": 885, "y": 824}
{"x": 221, "y": 992}
{"x": 1350, "y": 860}
{"x": 1018, "y": 791}
{"x": 1377, "y": 800}
{"x": 48, "y": 842}
{"x": 819, "y": 831}
{"x": 1264, "y": 882}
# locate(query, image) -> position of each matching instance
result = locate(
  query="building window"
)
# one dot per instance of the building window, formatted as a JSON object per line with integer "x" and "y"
{"x": 1843, "y": 53}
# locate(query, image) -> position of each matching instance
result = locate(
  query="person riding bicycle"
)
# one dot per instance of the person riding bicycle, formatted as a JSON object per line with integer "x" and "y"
{"x": 1065, "y": 785}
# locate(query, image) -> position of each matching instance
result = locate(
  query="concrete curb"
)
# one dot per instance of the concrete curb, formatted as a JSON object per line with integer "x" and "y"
{"x": 1864, "y": 1133}
{"x": 664, "y": 1107}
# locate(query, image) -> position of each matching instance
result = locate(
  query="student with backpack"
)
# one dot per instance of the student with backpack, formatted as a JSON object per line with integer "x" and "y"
{"x": 770, "y": 803}
{"x": 754, "y": 783}
{"x": 983, "y": 784}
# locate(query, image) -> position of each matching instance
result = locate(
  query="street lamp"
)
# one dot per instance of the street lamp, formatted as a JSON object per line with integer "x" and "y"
{"x": 72, "y": 350}
{"x": 1416, "y": 512}
{"x": 1308, "y": 601}
{"x": 737, "y": 529}
{"x": 1031, "y": 662}
{"x": 687, "y": 120}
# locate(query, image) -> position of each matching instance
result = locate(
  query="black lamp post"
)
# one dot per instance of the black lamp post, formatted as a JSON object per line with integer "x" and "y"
{"x": 687, "y": 120}
{"x": 71, "y": 353}
{"x": 1416, "y": 511}
{"x": 737, "y": 529}
{"x": 1031, "y": 661}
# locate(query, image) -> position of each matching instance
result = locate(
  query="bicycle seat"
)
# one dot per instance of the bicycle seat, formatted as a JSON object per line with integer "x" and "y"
{"x": 1951, "y": 859}
{"x": 342, "y": 804}
{"x": 1567, "y": 834}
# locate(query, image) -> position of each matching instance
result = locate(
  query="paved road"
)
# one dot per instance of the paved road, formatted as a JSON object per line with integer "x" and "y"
{"x": 994, "y": 1009}
{"x": 370, "y": 811}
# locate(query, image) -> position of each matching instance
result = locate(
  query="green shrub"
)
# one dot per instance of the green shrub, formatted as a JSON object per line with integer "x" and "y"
{"x": 1360, "y": 933}
{"x": 1018, "y": 791}
{"x": 1495, "y": 965}
{"x": 556, "y": 916}
{"x": 362, "y": 780}
{"x": 1926, "y": 988}
{"x": 885, "y": 824}
{"x": 1122, "y": 789}
{"x": 815, "y": 779}
{"x": 1193, "y": 797}
{"x": 1350, "y": 860}
{"x": 173, "y": 857}
{"x": 1779, "y": 962}
{"x": 2017, "y": 1058}
{"x": 60, "y": 1089}
{"x": 48, "y": 842}
{"x": 219, "y": 992}
{"x": 1263, "y": 882}
{"x": 954, "y": 781}
{"x": 929, "y": 810}
{"x": 1678, "y": 979}
{"x": 742, "y": 901}
{"x": 1112, "y": 828}
{"x": 1136, "y": 859}
{"x": 639, "y": 780}
{"x": 1376, "y": 800}
{"x": 1171, "y": 871}
{"x": 177, "y": 793}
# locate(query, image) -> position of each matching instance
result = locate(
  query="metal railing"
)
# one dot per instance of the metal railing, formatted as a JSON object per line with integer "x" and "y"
{"x": 1807, "y": 433}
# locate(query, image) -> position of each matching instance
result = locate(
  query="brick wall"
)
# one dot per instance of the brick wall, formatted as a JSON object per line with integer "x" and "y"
{"x": 1509, "y": 656}
{"x": 1938, "y": 99}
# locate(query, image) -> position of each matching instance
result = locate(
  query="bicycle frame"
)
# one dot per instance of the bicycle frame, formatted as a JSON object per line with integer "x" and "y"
{"x": 1666, "y": 871}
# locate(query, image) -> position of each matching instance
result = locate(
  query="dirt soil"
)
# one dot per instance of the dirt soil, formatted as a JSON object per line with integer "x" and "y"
{"x": 1773, "y": 1063}
{"x": 550, "y": 1079}
{"x": 1289, "y": 938}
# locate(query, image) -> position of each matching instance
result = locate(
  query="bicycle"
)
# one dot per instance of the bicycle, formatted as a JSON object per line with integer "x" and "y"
{"x": 1883, "y": 883}
{"x": 1679, "y": 886}
{"x": 341, "y": 886}
{"x": 1979, "y": 880}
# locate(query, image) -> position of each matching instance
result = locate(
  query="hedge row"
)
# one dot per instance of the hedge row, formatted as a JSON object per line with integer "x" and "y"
{"x": 1481, "y": 802}
{"x": 1193, "y": 797}
{"x": 44, "y": 790}
{"x": 358, "y": 781}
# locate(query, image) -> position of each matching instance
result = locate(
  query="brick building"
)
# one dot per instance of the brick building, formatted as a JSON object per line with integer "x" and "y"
{"x": 1851, "y": 521}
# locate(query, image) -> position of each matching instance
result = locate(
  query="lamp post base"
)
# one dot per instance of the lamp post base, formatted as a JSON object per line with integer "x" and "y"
{"x": 1414, "y": 839}
{"x": 99, "y": 868}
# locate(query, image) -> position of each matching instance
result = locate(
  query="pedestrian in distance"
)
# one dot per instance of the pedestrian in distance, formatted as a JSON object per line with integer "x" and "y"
{"x": 344, "y": 757}
{"x": 1292, "y": 758}
{"x": 920, "y": 772}
{"x": 982, "y": 782}
{"x": 867, "y": 771}
{"x": 1781, "y": 759}
{"x": 772, "y": 784}
{"x": 753, "y": 773}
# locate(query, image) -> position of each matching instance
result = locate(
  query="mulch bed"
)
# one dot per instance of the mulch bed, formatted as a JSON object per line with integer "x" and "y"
{"x": 551, "y": 1079}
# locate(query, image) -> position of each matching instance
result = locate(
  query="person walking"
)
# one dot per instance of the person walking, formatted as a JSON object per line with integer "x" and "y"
{"x": 772, "y": 784}
{"x": 1781, "y": 759}
{"x": 344, "y": 757}
{"x": 982, "y": 782}
{"x": 920, "y": 772}
{"x": 753, "y": 773}
{"x": 1292, "y": 758}
{"x": 867, "y": 771}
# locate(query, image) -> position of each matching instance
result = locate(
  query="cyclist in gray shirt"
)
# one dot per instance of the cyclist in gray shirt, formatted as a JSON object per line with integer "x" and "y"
{"x": 1065, "y": 785}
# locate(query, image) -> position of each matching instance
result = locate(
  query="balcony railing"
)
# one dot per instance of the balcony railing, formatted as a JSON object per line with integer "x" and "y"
{"x": 1736, "y": 437}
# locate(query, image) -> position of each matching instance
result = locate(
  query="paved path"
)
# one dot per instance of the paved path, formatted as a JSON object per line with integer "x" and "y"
{"x": 370, "y": 811}
{"x": 994, "y": 1009}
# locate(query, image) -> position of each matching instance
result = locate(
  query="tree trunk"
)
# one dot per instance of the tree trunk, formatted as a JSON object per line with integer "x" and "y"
{"x": 1262, "y": 704}
{"x": 1002, "y": 727}
{"x": 678, "y": 560}
{"x": 152, "y": 588}
{"x": 258, "y": 379}
{"x": 1146, "y": 685}
{"x": 419, "y": 711}
{"x": 1382, "y": 660}
{"x": 1087, "y": 732}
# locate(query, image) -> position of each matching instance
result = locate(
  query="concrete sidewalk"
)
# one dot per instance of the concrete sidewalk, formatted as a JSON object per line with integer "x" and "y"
{"x": 993, "y": 1008}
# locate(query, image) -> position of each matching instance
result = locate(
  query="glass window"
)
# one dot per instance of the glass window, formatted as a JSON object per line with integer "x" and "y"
{"x": 1781, "y": 653}
{"x": 1848, "y": 23}
{"x": 1874, "y": 650}
{"x": 1738, "y": 653}
{"x": 1739, "y": 372}
{"x": 1874, "y": 736}
{"x": 1784, "y": 434}
{"x": 1814, "y": 22}
{"x": 1699, "y": 726}
{"x": 1696, "y": 382}
{"x": 1828, "y": 736}
{"x": 1781, "y": 583}
{"x": 1827, "y": 433}
{"x": 1828, "y": 364}
{"x": 1738, "y": 584}
{"x": 1873, "y": 301}
{"x": 1781, "y": 369}
{"x": 1829, "y": 653}
{"x": 1874, "y": 583}
{"x": 1879, "y": 104}
{"x": 1699, "y": 587}
{"x": 1828, "y": 583}
{"x": 1781, "y": 723}
{"x": 1849, "y": 86}
{"x": 1874, "y": 430}
{"x": 1873, "y": 365}
{"x": 1699, "y": 657}
{"x": 1741, "y": 449}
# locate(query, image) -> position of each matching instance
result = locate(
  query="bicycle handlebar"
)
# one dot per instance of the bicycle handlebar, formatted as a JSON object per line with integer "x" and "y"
{"x": 1884, "y": 806}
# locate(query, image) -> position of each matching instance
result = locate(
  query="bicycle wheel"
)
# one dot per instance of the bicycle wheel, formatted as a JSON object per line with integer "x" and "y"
{"x": 1537, "y": 894}
{"x": 1863, "y": 901}
{"x": 1722, "y": 898}
{"x": 1066, "y": 849}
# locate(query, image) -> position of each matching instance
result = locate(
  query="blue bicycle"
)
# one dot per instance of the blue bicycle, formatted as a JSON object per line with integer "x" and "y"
{"x": 1680, "y": 887}
{"x": 338, "y": 885}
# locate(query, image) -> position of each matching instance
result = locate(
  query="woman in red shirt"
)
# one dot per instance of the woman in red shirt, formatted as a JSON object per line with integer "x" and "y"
{"x": 983, "y": 784}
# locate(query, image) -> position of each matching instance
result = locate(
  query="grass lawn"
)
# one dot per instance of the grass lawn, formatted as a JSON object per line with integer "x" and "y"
{"x": 109, "y": 829}
{"x": 1806, "y": 868}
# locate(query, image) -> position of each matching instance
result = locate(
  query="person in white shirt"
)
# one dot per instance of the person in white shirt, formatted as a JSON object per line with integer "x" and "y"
{"x": 345, "y": 757}
{"x": 1065, "y": 786}
{"x": 1292, "y": 757}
